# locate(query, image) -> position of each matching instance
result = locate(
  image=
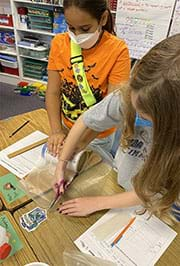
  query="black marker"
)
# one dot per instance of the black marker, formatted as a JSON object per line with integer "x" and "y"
{"x": 14, "y": 132}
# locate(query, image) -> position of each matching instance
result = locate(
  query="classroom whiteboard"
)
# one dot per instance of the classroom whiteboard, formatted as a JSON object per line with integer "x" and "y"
{"x": 143, "y": 23}
{"x": 175, "y": 27}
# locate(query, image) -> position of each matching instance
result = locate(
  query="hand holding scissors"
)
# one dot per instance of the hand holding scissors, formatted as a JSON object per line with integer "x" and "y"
{"x": 57, "y": 186}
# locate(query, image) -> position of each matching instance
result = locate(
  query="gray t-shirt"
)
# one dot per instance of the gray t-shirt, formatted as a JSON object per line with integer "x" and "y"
{"x": 109, "y": 113}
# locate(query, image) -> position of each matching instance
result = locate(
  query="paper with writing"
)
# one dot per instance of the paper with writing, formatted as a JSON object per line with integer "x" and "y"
{"x": 143, "y": 23}
{"x": 142, "y": 244}
{"x": 22, "y": 164}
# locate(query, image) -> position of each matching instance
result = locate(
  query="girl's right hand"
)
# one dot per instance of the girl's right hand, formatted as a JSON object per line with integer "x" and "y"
{"x": 55, "y": 143}
{"x": 59, "y": 185}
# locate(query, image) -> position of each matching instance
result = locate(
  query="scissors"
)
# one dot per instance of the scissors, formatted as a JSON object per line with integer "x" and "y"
{"x": 58, "y": 193}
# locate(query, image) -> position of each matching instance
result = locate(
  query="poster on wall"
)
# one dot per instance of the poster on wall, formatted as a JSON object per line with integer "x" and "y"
{"x": 143, "y": 23}
{"x": 175, "y": 26}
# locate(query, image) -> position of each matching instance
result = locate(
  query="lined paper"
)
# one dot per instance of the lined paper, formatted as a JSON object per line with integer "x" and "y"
{"x": 142, "y": 244}
{"x": 22, "y": 164}
{"x": 143, "y": 23}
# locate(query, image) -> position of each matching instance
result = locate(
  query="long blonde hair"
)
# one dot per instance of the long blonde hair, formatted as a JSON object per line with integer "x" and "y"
{"x": 156, "y": 79}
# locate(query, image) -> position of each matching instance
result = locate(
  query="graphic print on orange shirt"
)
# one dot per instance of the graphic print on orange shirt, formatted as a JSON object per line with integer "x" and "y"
{"x": 73, "y": 104}
{"x": 106, "y": 63}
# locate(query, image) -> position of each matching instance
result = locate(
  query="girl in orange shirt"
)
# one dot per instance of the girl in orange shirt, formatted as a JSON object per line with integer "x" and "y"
{"x": 106, "y": 65}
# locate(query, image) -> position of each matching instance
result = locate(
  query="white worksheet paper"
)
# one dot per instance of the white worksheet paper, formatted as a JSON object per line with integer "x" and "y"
{"x": 141, "y": 245}
{"x": 22, "y": 164}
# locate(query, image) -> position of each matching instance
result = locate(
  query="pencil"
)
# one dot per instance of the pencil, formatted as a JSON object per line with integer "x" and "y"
{"x": 123, "y": 231}
{"x": 19, "y": 128}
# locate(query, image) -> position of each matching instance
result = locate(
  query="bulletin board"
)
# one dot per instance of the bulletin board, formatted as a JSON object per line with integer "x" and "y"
{"x": 143, "y": 23}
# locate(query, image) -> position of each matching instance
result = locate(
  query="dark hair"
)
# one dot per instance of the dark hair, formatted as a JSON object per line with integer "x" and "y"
{"x": 95, "y": 8}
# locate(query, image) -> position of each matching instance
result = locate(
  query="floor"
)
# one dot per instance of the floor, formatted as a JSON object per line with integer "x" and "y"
{"x": 12, "y": 104}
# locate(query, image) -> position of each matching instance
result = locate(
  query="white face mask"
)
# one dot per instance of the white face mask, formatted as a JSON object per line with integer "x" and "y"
{"x": 85, "y": 40}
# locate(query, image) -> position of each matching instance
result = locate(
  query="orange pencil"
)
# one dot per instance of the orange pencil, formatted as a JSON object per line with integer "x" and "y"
{"x": 123, "y": 231}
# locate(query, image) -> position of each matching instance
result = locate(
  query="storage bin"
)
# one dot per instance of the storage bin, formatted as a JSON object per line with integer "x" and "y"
{"x": 10, "y": 64}
{"x": 40, "y": 26}
{"x": 33, "y": 75}
{"x": 10, "y": 70}
{"x": 32, "y": 62}
{"x": 10, "y": 67}
{"x": 40, "y": 19}
{"x": 38, "y": 69}
{"x": 39, "y": 12}
{"x": 36, "y": 52}
{"x": 34, "y": 71}
{"x": 6, "y": 20}
{"x": 34, "y": 68}
{"x": 8, "y": 58}
{"x": 33, "y": 18}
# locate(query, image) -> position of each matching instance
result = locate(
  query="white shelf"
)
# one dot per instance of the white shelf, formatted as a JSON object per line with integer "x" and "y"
{"x": 8, "y": 52}
{"x": 9, "y": 78}
{"x": 36, "y": 3}
{"x": 9, "y": 75}
{"x": 37, "y": 31}
{"x": 19, "y": 32}
{"x": 6, "y": 27}
{"x": 30, "y": 57}
{"x": 33, "y": 80}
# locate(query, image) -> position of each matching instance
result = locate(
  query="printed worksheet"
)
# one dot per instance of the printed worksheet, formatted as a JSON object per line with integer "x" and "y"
{"x": 141, "y": 244}
{"x": 22, "y": 164}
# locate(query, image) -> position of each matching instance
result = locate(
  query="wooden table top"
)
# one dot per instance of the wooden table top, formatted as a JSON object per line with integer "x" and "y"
{"x": 58, "y": 232}
{"x": 38, "y": 121}
{"x": 24, "y": 255}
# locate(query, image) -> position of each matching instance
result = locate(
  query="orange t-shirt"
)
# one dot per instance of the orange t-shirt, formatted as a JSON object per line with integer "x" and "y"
{"x": 106, "y": 63}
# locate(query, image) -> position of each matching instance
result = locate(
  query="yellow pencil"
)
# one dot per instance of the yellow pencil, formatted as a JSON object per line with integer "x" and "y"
{"x": 123, "y": 231}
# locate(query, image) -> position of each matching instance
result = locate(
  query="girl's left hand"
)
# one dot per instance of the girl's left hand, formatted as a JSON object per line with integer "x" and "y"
{"x": 79, "y": 206}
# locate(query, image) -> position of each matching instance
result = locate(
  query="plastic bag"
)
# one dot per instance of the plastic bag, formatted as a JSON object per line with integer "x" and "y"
{"x": 75, "y": 165}
{"x": 76, "y": 258}
{"x": 39, "y": 183}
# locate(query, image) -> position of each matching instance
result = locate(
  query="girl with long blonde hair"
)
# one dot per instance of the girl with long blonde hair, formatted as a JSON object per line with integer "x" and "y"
{"x": 148, "y": 158}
